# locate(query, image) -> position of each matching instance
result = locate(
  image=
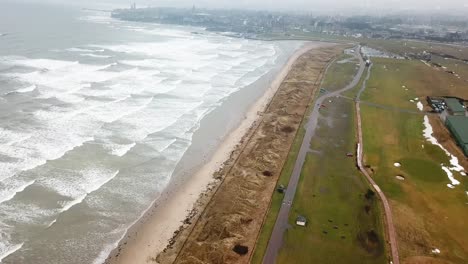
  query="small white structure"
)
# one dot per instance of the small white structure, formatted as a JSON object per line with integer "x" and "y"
{"x": 301, "y": 221}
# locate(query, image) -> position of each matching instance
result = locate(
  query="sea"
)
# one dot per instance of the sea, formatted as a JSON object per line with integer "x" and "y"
{"x": 96, "y": 114}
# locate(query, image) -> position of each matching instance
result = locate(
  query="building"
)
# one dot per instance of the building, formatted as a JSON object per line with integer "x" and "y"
{"x": 458, "y": 126}
{"x": 454, "y": 107}
{"x": 301, "y": 221}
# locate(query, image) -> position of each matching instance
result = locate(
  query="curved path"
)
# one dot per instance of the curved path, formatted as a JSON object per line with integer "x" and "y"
{"x": 281, "y": 224}
{"x": 391, "y": 234}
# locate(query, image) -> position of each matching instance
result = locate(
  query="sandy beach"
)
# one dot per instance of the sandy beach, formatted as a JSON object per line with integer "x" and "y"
{"x": 152, "y": 233}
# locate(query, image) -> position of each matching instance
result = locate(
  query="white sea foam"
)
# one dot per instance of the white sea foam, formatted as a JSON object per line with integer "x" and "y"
{"x": 43, "y": 64}
{"x": 95, "y": 56}
{"x": 454, "y": 164}
{"x": 84, "y": 50}
{"x": 68, "y": 205}
{"x": 9, "y": 192}
{"x": 51, "y": 223}
{"x": 7, "y": 250}
{"x": 77, "y": 185}
{"x": 121, "y": 150}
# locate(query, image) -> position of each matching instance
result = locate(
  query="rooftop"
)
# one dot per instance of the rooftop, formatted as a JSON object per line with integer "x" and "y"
{"x": 460, "y": 124}
{"x": 454, "y": 105}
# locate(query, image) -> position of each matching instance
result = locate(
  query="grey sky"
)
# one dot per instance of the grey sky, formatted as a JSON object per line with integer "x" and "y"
{"x": 302, "y": 5}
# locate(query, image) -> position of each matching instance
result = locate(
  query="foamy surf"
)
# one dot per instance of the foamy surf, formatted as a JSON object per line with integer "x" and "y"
{"x": 84, "y": 50}
{"x": 95, "y": 56}
{"x": 121, "y": 150}
{"x": 8, "y": 193}
{"x": 8, "y": 250}
{"x": 105, "y": 126}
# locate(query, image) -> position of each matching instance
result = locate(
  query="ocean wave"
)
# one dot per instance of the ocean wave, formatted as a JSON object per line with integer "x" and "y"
{"x": 51, "y": 223}
{"x": 95, "y": 56}
{"x": 27, "y": 89}
{"x": 84, "y": 50}
{"x": 9, "y": 192}
{"x": 6, "y": 250}
{"x": 90, "y": 181}
{"x": 121, "y": 150}
{"x": 44, "y": 64}
{"x": 37, "y": 150}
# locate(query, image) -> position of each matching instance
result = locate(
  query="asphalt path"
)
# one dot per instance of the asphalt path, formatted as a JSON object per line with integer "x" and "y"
{"x": 281, "y": 224}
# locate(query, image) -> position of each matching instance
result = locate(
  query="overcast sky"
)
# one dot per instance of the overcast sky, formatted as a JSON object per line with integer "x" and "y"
{"x": 290, "y": 5}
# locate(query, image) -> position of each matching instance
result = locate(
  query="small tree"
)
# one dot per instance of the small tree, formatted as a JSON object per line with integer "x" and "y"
{"x": 369, "y": 194}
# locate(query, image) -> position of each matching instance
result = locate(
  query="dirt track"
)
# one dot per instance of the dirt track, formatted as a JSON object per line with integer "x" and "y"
{"x": 390, "y": 227}
{"x": 235, "y": 213}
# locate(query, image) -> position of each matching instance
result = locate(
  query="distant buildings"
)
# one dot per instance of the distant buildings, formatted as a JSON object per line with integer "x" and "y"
{"x": 251, "y": 24}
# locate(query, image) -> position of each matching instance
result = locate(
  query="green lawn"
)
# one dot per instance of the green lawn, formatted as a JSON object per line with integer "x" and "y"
{"x": 331, "y": 194}
{"x": 338, "y": 74}
{"x": 341, "y": 72}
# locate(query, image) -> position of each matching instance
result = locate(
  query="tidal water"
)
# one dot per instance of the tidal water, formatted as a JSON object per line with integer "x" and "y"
{"x": 95, "y": 115}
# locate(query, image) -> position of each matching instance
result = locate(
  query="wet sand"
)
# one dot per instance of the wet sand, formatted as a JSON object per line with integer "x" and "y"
{"x": 153, "y": 232}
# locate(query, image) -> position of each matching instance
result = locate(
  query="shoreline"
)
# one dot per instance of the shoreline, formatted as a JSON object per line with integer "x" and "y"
{"x": 155, "y": 230}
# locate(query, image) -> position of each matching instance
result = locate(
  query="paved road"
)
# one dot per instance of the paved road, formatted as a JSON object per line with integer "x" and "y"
{"x": 276, "y": 239}
{"x": 388, "y": 213}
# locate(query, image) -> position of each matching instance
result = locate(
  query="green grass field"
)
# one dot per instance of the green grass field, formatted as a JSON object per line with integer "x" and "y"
{"x": 331, "y": 194}
{"x": 343, "y": 203}
{"x": 341, "y": 72}
{"x": 427, "y": 213}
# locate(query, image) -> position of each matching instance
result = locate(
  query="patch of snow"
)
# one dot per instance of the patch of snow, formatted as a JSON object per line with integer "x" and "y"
{"x": 420, "y": 106}
{"x": 454, "y": 164}
{"x": 450, "y": 175}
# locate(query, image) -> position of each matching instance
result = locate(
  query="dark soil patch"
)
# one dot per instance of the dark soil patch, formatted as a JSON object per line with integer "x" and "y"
{"x": 367, "y": 209}
{"x": 241, "y": 250}
{"x": 370, "y": 242}
{"x": 287, "y": 129}
{"x": 370, "y": 194}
